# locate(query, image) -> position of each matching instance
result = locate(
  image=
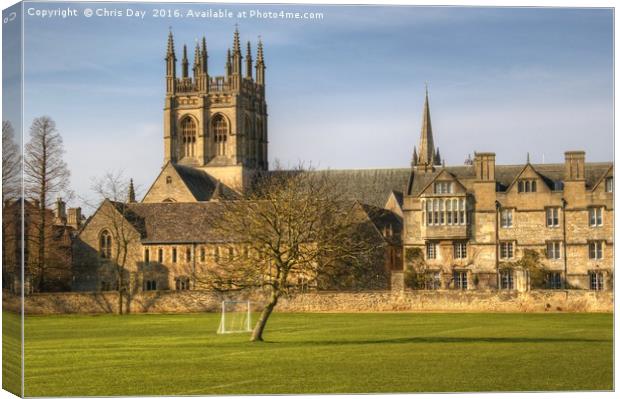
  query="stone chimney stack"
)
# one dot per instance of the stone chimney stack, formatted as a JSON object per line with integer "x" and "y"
{"x": 74, "y": 217}
{"x": 484, "y": 166}
{"x": 60, "y": 214}
{"x": 574, "y": 165}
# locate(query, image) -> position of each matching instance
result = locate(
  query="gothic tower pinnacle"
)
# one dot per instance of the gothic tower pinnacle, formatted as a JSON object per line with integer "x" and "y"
{"x": 260, "y": 64}
{"x": 184, "y": 63}
{"x": 171, "y": 62}
{"x": 248, "y": 61}
{"x": 217, "y": 123}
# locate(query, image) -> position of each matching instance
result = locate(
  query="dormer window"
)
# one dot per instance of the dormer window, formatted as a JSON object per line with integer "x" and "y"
{"x": 443, "y": 187}
{"x": 527, "y": 186}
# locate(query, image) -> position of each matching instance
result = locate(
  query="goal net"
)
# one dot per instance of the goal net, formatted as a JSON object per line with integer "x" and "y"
{"x": 236, "y": 317}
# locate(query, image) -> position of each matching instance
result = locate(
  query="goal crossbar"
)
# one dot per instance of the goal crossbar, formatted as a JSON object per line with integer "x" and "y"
{"x": 236, "y": 317}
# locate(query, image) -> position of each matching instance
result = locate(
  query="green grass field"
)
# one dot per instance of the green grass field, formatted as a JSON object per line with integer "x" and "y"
{"x": 317, "y": 353}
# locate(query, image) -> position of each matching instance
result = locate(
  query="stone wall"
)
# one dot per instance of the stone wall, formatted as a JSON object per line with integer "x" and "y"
{"x": 371, "y": 301}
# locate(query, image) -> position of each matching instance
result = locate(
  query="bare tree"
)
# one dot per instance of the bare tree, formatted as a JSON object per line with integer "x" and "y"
{"x": 45, "y": 176}
{"x": 114, "y": 189}
{"x": 11, "y": 175}
{"x": 11, "y": 163}
{"x": 295, "y": 226}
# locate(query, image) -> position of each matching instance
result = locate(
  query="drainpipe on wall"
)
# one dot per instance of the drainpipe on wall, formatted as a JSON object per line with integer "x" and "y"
{"x": 193, "y": 266}
{"x": 497, "y": 207}
{"x": 564, "y": 203}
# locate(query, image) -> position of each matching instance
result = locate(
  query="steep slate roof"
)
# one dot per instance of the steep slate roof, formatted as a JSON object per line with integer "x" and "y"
{"x": 506, "y": 174}
{"x": 193, "y": 222}
{"x": 370, "y": 186}
{"x": 381, "y": 218}
{"x": 201, "y": 184}
{"x": 176, "y": 222}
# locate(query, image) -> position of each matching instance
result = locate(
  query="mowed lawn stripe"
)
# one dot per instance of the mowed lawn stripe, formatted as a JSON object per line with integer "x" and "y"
{"x": 316, "y": 353}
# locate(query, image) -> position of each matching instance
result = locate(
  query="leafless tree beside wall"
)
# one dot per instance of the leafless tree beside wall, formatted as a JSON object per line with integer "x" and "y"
{"x": 46, "y": 176}
{"x": 294, "y": 226}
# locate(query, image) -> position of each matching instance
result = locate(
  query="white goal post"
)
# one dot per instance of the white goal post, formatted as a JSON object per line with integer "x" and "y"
{"x": 236, "y": 317}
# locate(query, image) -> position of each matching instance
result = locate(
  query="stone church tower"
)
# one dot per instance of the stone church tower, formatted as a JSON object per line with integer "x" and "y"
{"x": 217, "y": 123}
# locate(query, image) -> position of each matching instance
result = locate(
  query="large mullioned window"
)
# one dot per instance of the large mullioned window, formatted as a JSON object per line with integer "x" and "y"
{"x": 444, "y": 211}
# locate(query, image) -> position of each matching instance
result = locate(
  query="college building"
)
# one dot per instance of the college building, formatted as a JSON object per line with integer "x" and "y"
{"x": 461, "y": 227}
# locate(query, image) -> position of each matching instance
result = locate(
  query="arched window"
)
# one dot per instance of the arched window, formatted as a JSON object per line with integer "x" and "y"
{"x": 249, "y": 134}
{"x": 188, "y": 136}
{"x": 259, "y": 141}
{"x": 105, "y": 244}
{"x": 220, "y": 133}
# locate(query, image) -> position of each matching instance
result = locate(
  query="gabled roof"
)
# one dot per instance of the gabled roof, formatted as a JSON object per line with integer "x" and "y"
{"x": 440, "y": 172}
{"x": 550, "y": 183}
{"x": 611, "y": 168}
{"x": 382, "y": 218}
{"x": 506, "y": 174}
{"x": 201, "y": 184}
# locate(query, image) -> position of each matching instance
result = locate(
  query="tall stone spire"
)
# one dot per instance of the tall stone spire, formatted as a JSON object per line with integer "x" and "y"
{"x": 184, "y": 63}
{"x": 426, "y": 157}
{"x": 132, "y": 192}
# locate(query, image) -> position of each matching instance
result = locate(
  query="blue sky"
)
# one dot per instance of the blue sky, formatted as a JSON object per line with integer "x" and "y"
{"x": 344, "y": 92}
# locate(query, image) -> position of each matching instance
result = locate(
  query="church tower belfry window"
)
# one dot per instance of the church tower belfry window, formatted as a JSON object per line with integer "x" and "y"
{"x": 216, "y": 121}
{"x": 188, "y": 137}
{"x": 220, "y": 133}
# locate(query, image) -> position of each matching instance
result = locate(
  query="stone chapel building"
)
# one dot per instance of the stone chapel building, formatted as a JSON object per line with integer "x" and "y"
{"x": 468, "y": 223}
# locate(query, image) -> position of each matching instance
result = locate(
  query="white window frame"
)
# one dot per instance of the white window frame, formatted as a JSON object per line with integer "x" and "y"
{"x": 506, "y": 218}
{"x": 443, "y": 187}
{"x": 431, "y": 250}
{"x": 460, "y": 279}
{"x": 552, "y": 215}
{"x": 595, "y": 216}
{"x": 595, "y": 250}
{"x": 506, "y": 279}
{"x": 609, "y": 184}
{"x": 554, "y": 249}
{"x": 597, "y": 280}
{"x": 506, "y": 248}
{"x": 460, "y": 250}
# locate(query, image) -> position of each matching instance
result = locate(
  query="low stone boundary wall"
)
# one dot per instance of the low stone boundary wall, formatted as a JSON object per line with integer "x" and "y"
{"x": 375, "y": 301}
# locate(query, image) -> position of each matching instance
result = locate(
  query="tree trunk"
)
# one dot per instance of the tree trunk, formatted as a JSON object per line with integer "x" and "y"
{"x": 257, "y": 334}
{"x": 120, "y": 296}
